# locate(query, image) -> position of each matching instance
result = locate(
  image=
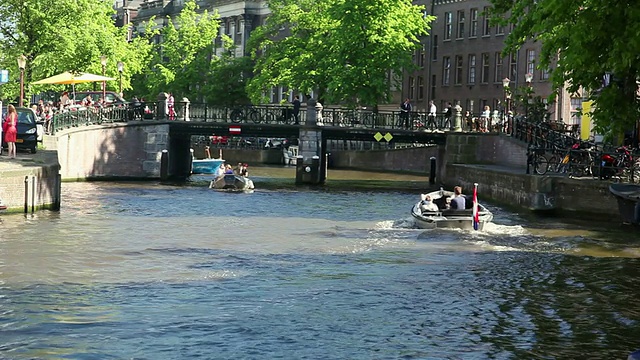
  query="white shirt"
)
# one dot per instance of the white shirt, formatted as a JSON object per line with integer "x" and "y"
{"x": 432, "y": 110}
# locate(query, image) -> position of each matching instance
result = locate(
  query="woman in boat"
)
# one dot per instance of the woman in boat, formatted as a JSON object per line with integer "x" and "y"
{"x": 228, "y": 169}
{"x": 427, "y": 205}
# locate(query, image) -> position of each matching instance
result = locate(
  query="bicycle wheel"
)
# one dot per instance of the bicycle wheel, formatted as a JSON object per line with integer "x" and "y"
{"x": 553, "y": 164}
{"x": 236, "y": 115}
{"x": 254, "y": 116}
{"x": 540, "y": 165}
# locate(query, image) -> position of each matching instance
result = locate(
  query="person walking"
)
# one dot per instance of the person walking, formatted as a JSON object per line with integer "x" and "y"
{"x": 405, "y": 112}
{"x": 431, "y": 116}
{"x": 9, "y": 127}
{"x": 296, "y": 109}
{"x": 171, "y": 102}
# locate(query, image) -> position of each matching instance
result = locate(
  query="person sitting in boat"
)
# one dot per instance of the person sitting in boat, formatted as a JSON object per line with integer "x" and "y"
{"x": 426, "y": 204}
{"x": 228, "y": 169}
{"x": 458, "y": 200}
{"x": 244, "y": 172}
{"x": 219, "y": 172}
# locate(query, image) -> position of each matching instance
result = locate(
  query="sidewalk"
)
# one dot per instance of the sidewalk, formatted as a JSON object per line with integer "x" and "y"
{"x": 27, "y": 160}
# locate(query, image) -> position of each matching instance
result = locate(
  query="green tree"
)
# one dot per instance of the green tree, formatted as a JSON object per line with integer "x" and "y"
{"x": 345, "y": 50}
{"x": 582, "y": 40}
{"x": 227, "y": 80}
{"x": 64, "y": 35}
{"x": 184, "y": 55}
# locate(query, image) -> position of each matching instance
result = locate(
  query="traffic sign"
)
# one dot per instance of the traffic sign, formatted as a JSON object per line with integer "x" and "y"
{"x": 234, "y": 130}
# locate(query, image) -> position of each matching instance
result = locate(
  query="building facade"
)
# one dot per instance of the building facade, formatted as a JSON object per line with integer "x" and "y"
{"x": 461, "y": 62}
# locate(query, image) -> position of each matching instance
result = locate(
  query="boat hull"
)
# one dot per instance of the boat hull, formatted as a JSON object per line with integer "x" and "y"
{"x": 205, "y": 166}
{"x": 232, "y": 182}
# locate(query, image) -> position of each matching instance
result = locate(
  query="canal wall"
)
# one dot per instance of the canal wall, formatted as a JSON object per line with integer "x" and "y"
{"x": 30, "y": 182}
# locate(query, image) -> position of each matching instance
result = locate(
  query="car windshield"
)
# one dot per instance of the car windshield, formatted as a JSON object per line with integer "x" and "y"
{"x": 26, "y": 117}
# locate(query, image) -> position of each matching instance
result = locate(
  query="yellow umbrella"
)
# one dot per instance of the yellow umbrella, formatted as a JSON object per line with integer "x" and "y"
{"x": 70, "y": 78}
{"x": 73, "y": 79}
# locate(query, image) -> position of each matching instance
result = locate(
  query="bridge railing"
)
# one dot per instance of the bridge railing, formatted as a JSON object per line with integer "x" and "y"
{"x": 88, "y": 116}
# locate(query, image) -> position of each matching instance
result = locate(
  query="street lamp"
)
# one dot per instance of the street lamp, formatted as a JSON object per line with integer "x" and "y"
{"x": 22, "y": 63}
{"x": 505, "y": 105}
{"x": 103, "y": 61}
{"x": 120, "y": 70}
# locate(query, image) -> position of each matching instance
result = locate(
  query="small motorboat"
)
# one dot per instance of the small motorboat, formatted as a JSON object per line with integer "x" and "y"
{"x": 232, "y": 182}
{"x": 628, "y": 196}
{"x": 450, "y": 218}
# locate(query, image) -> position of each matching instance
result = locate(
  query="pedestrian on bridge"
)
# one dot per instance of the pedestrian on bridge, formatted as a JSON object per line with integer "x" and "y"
{"x": 405, "y": 112}
{"x": 296, "y": 110}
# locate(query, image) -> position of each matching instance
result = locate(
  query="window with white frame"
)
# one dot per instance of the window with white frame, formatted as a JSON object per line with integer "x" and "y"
{"x": 448, "y": 24}
{"x": 498, "y": 67}
{"x": 544, "y": 74}
{"x": 458, "y": 76}
{"x": 485, "y": 69}
{"x": 531, "y": 61}
{"x": 472, "y": 69}
{"x": 446, "y": 70}
{"x": 473, "y": 29}
{"x": 513, "y": 66}
{"x": 486, "y": 27}
{"x": 460, "y": 29}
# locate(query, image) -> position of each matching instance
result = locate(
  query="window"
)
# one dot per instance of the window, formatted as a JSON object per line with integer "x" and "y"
{"x": 470, "y": 105}
{"x": 420, "y": 88}
{"x": 433, "y": 86}
{"x": 499, "y": 29}
{"x": 531, "y": 60}
{"x": 485, "y": 68}
{"x": 458, "y": 74}
{"x": 412, "y": 87}
{"x": 513, "y": 66}
{"x": 544, "y": 74}
{"x": 423, "y": 55}
{"x": 486, "y": 28}
{"x": 473, "y": 31}
{"x": 576, "y": 110}
{"x": 472, "y": 69}
{"x": 434, "y": 52}
{"x": 447, "y": 25}
{"x": 446, "y": 70}
{"x": 460, "y": 32}
{"x": 498, "y": 68}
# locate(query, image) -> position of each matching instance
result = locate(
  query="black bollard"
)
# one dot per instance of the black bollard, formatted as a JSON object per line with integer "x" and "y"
{"x": 164, "y": 165}
{"x": 432, "y": 174}
{"x": 26, "y": 194}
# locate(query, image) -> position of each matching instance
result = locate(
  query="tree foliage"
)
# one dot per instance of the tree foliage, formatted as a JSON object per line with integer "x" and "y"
{"x": 64, "y": 35}
{"x": 346, "y": 50}
{"x": 184, "y": 55}
{"x": 582, "y": 40}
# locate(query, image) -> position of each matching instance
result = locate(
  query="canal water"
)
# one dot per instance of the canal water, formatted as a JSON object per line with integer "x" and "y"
{"x": 150, "y": 271}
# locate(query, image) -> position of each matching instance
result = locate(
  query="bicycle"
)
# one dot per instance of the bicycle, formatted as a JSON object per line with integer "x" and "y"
{"x": 238, "y": 115}
{"x": 538, "y": 162}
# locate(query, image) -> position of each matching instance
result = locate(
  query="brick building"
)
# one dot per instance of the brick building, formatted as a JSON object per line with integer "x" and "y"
{"x": 461, "y": 62}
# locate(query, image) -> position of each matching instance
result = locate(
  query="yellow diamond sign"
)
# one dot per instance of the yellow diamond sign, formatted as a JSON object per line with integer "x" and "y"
{"x": 387, "y": 137}
{"x": 378, "y": 136}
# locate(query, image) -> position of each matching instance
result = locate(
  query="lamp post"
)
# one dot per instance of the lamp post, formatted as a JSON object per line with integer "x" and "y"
{"x": 120, "y": 70}
{"x": 505, "y": 107}
{"x": 22, "y": 63}
{"x": 528, "y": 77}
{"x": 103, "y": 61}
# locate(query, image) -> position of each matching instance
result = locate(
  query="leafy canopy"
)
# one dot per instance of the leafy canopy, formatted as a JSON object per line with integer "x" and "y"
{"x": 582, "y": 40}
{"x": 344, "y": 49}
{"x": 64, "y": 35}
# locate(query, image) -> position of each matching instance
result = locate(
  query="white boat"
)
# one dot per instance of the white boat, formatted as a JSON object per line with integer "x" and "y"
{"x": 205, "y": 166}
{"x": 232, "y": 182}
{"x": 449, "y": 218}
{"x": 290, "y": 155}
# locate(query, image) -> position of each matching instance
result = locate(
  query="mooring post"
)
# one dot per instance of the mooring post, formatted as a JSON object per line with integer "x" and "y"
{"x": 432, "y": 173}
{"x": 164, "y": 165}
{"x": 26, "y": 194}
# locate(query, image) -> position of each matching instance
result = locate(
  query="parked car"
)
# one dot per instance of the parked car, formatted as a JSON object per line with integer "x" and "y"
{"x": 111, "y": 97}
{"x": 30, "y": 129}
